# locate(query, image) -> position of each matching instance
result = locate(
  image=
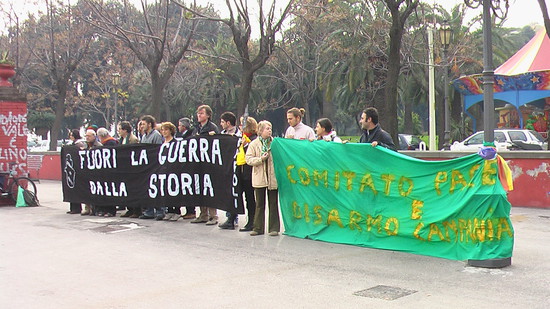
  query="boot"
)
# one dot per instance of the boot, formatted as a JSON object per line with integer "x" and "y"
{"x": 247, "y": 228}
{"x": 250, "y": 223}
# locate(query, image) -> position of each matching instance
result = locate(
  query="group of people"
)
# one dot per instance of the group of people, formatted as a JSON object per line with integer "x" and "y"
{"x": 255, "y": 169}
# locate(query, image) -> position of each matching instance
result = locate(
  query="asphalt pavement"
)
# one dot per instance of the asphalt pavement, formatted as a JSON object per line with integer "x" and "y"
{"x": 50, "y": 259}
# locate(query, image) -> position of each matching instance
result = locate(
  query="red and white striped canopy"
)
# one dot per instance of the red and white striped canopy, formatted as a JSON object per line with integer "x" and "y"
{"x": 534, "y": 56}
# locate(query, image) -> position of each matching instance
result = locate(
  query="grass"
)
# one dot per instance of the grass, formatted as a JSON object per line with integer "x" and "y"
{"x": 351, "y": 139}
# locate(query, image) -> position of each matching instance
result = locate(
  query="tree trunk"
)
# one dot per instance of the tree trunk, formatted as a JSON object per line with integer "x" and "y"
{"x": 157, "y": 89}
{"x": 59, "y": 115}
{"x": 389, "y": 114}
{"x": 244, "y": 94}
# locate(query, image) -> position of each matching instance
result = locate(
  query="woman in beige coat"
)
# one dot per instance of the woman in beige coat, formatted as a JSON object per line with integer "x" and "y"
{"x": 259, "y": 157}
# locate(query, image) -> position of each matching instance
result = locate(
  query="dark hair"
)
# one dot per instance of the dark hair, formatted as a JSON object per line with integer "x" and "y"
{"x": 229, "y": 117}
{"x": 297, "y": 112}
{"x": 325, "y": 124}
{"x": 372, "y": 113}
{"x": 150, "y": 120}
{"x": 76, "y": 133}
{"x": 207, "y": 109}
{"x": 126, "y": 126}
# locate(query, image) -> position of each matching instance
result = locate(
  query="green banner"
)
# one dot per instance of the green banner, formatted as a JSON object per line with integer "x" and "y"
{"x": 370, "y": 196}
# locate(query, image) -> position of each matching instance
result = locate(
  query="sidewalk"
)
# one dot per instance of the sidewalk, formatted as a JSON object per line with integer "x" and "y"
{"x": 49, "y": 259}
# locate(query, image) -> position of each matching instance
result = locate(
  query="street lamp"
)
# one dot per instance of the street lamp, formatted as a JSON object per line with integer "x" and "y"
{"x": 445, "y": 33}
{"x": 489, "y": 6}
{"x": 116, "y": 80}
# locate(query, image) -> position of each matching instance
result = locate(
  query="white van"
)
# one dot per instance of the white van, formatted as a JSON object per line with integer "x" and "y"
{"x": 505, "y": 139}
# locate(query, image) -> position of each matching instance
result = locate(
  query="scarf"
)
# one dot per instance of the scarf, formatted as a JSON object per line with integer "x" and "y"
{"x": 266, "y": 144}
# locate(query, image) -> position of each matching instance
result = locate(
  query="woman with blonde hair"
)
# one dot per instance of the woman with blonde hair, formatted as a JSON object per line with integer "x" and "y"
{"x": 259, "y": 157}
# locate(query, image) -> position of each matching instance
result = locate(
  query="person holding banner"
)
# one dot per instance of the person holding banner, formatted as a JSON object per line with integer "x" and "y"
{"x": 297, "y": 129}
{"x": 259, "y": 157}
{"x": 168, "y": 131}
{"x": 208, "y": 215}
{"x": 125, "y": 133}
{"x": 324, "y": 131}
{"x": 107, "y": 141}
{"x": 372, "y": 132}
{"x": 244, "y": 171}
{"x": 185, "y": 130}
{"x": 91, "y": 142}
{"x": 127, "y": 137}
{"x": 151, "y": 136}
{"x": 228, "y": 122}
{"x": 76, "y": 140}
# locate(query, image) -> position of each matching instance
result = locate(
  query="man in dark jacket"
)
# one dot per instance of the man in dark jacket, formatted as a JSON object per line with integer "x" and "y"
{"x": 372, "y": 132}
{"x": 205, "y": 124}
{"x": 185, "y": 129}
{"x": 208, "y": 215}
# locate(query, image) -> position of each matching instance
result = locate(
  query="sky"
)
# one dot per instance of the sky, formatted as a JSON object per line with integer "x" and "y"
{"x": 521, "y": 12}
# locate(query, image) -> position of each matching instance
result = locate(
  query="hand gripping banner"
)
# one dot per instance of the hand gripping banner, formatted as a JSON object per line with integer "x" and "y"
{"x": 373, "y": 197}
{"x": 198, "y": 171}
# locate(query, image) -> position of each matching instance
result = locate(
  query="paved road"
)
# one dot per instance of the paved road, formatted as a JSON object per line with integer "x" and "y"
{"x": 49, "y": 259}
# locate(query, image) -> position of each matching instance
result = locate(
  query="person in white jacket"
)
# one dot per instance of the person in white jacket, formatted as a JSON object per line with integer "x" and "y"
{"x": 259, "y": 157}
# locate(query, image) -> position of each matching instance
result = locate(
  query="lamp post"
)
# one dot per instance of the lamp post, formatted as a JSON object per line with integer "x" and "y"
{"x": 488, "y": 98}
{"x": 116, "y": 80}
{"x": 445, "y": 33}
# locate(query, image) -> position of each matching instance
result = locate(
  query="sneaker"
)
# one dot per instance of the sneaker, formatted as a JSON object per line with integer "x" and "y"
{"x": 273, "y": 233}
{"x": 100, "y": 214}
{"x": 126, "y": 214}
{"x": 199, "y": 220}
{"x": 109, "y": 214}
{"x": 212, "y": 221}
{"x": 175, "y": 217}
{"x": 168, "y": 216}
{"x": 146, "y": 217}
{"x": 254, "y": 233}
{"x": 189, "y": 216}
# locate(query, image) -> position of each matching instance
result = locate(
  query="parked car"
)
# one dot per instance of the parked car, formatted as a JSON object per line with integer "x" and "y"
{"x": 505, "y": 139}
{"x": 408, "y": 141}
{"x": 44, "y": 145}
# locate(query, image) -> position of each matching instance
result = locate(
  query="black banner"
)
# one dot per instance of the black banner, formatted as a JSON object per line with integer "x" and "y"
{"x": 199, "y": 171}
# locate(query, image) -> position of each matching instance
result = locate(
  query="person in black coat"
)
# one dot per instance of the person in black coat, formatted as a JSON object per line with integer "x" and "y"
{"x": 208, "y": 215}
{"x": 372, "y": 132}
{"x": 185, "y": 128}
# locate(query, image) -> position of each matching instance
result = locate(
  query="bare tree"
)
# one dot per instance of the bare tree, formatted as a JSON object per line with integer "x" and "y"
{"x": 59, "y": 50}
{"x": 239, "y": 22}
{"x": 156, "y": 39}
